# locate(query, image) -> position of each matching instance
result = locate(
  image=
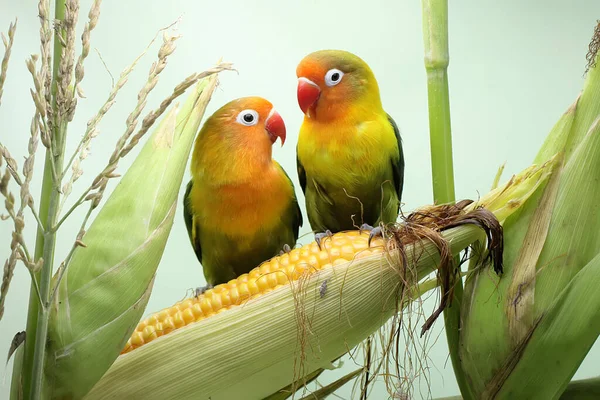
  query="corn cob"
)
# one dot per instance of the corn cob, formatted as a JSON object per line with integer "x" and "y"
{"x": 270, "y": 275}
{"x": 290, "y": 321}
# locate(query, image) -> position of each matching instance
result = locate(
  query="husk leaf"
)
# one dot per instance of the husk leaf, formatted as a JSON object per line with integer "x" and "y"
{"x": 107, "y": 285}
{"x": 547, "y": 242}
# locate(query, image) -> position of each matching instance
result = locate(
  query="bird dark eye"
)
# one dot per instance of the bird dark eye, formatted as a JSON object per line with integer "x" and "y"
{"x": 333, "y": 77}
{"x": 247, "y": 117}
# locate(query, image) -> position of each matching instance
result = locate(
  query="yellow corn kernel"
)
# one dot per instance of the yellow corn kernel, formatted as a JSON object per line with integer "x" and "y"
{"x": 216, "y": 303}
{"x": 255, "y": 273}
{"x": 234, "y": 295}
{"x": 188, "y": 315}
{"x": 243, "y": 290}
{"x": 197, "y": 311}
{"x": 265, "y": 268}
{"x": 178, "y": 320}
{"x": 137, "y": 339}
{"x": 168, "y": 326}
{"x": 334, "y": 252}
{"x": 312, "y": 262}
{"x": 295, "y": 256}
{"x": 263, "y": 283}
{"x": 253, "y": 287}
{"x": 323, "y": 257}
{"x": 339, "y": 261}
{"x": 328, "y": 265}
{"x": 282, "y": 277}
{"x": 205, "y": 305}
{"x": 272, "y": 278}
{"x": 164, "y": 314}
{"x": 270, "y": 275}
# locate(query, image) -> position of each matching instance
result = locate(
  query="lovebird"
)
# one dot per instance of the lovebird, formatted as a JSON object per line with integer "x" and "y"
{"x": 240, "y": 207}
{"x": 349, "y": 152}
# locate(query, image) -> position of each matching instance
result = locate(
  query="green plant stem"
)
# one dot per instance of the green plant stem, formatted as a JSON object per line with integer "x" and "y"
{"x": 37, "y": 320}
{"x": 435, "y": 34}
{"x": 435, "y": 37}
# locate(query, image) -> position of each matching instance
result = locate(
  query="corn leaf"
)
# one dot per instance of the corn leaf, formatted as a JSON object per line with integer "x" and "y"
{"x": 107, "y": 285}
{"x": 560, "y": 341}
{"x": 547, "y": 242}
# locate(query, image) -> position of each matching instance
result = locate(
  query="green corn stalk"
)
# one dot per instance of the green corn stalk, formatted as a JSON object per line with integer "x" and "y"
{"x": 437, "y": 59}
{"x": 525, "y": 335}
{"x": 105, "y": 289}
{"x": 37, "y": 316}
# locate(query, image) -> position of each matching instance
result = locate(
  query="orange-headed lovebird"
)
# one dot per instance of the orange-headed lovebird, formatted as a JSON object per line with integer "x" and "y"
{"x": 350, "y": 159}
{"x": 240, "y": 207}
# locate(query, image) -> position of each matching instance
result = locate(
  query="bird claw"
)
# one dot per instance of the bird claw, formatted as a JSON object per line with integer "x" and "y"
{"x": 286, "y": 249}
{"x": 200, "y": 290}
{"x": 375, "y": 232}
{"x": 321, "y": 235}
{"x": 365, "y": 227}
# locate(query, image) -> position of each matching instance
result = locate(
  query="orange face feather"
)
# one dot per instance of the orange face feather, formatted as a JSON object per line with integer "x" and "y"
{"x": 235, "y": 143}
{"x": 333, "y": 84}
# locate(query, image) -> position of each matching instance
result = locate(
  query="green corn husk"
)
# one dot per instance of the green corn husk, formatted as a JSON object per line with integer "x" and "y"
{"x": 105, "y": 289}
{"x": 254, "y": 350}
{"x": 524, "y": 336}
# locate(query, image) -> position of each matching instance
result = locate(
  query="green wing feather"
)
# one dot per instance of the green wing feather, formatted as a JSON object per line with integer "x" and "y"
{"x": 297, "y": 220}
{"x": 301, "y": 173}
{"x": 188, "y": 216}
{"x": 397, "y": 161}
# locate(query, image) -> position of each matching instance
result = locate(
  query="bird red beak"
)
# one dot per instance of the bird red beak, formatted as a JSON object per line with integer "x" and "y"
{"x": 275, "y": 127}
{"x": 308, "y": 94}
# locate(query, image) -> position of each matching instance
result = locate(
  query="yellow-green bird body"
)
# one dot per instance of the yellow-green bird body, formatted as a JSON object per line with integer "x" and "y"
{"x": 240, "y": 206}
{"x": 350, "y": 160}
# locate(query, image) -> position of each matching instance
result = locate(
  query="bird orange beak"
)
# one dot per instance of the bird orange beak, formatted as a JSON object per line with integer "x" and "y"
{"x": 308, "y": 94}
{"x": 275, "y": 127}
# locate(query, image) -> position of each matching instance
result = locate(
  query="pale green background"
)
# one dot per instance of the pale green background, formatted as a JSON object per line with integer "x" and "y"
{"x": 515, "y": 67}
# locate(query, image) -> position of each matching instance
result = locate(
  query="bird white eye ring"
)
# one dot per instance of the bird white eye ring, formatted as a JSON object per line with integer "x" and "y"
{"x": 333, "y": 77}
{"x": 247, "y": 118}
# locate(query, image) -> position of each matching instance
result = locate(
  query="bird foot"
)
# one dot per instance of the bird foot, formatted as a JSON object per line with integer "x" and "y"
{"x": 365, "y": 227}
{"x": 373, "y": 232}
{"x": 286, "y": 249}
{"x": 322, "y": 235}
{"x": 200, "y": 290}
